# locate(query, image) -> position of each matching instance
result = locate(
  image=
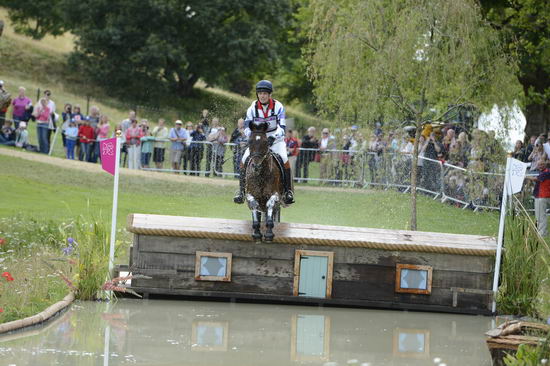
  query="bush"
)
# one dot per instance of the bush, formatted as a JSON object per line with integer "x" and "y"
{"x": 524, "y": 265}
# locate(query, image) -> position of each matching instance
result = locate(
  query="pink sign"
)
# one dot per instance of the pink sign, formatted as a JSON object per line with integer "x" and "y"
{"x": 108, "y": 154}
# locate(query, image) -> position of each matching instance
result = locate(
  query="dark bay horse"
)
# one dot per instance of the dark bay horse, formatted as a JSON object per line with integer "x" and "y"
{"x": 264, "y": 183}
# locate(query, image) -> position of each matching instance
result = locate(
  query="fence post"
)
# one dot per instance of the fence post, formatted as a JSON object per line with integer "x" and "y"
{"x": 87, "y": 105}
{"x": 442, "y": 183}
{"x": 37, "y": 95}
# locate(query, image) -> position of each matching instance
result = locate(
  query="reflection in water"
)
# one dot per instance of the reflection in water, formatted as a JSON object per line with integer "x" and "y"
{"x": 162, "y": 332}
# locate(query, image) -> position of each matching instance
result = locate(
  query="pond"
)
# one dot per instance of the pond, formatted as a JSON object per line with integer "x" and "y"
{"x": 172, "y": 332}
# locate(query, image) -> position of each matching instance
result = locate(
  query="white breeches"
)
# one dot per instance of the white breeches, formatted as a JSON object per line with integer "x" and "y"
{"x": 279, "y": 147}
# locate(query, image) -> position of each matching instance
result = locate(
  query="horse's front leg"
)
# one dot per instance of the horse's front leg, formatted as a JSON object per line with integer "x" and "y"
{"x": 272, "y": 205}
{"x": 256, "y": 217}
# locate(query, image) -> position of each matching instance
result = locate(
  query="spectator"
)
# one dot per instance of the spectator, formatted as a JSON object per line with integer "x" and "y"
{"x": 125, "y": 124}
{"x": 146, "y": 145}
{"x": 448, "y": 141}
{"x": 197, "y": 149}
{"x": 7, "y": 134}
{"x": 209, "y": 148}
{"x": 22, "y": 136}
{"x": 205, "y": 121}
{"x": 66, "y": 117}
{"x": 293, "y": 149}
{"x": 309, "y": 141}
{"x": 236, "y": 138}
{"x": 376, "y": 151}
{"x": 530, "y": 145}
{"x": 133, "y": 136}
{"x": 178, "y": 136}
{"x": 218, "y": 139}
{"x": 71, "y": 135}
{"x": 519, "y": 151}
{"x": 327, "y": 142}
{"x": 433, "y": 151}
{"x": 77, "y": 114}
{"x": 5, "y": 100}
{"x": 53, "y": 116}
{"x": 21, "y": 107}
{"x": 537, "y": 156}
{"x": 460, "y": 151}
{"x": 186, "y": 154}
{"x": 86, "y": 135}
{"x": 93, "y": 121}
{"x": 102, "y": 133}
{"x": 42, "y": 113}
{"x": 128, "y": 121}
{"x": 160, "y": 134}
{"x": 542, "y": 195}
{"x": 78, "y": 117}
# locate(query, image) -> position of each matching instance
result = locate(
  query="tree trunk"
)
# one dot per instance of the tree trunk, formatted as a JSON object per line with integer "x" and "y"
{"x": 414, "y": 174}
{"x": 536, "y": 114}
{"x": 538, "y": 119}
{"x": 184, "y": 86}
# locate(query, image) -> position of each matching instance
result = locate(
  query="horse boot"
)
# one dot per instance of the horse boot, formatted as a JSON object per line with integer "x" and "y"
{"x": 239, "y": 197}
{"x": 288, "y": 197}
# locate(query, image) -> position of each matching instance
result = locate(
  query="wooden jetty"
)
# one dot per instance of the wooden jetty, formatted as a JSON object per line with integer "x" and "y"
{"x": 312, "y": 264}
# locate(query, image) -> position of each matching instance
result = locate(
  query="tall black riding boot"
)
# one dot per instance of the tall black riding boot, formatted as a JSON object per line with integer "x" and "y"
{"x": 288, "y": 197}
{"x": 239, "y": 197}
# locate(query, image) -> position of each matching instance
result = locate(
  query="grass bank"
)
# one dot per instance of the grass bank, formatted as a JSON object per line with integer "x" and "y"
{"x": 61, "y": 193}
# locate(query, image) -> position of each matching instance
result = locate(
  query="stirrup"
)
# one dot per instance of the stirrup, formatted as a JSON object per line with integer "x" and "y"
{"x": 239, "y": 198}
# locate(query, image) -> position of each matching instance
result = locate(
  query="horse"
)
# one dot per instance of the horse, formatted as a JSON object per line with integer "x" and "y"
{"x": 264, "y": 182}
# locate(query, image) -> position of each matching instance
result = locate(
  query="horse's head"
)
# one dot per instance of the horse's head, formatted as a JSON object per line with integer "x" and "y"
{"x": 259, "y": 149}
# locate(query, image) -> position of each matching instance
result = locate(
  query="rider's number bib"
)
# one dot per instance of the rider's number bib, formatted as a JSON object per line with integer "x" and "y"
{"x": 271, "y": 122}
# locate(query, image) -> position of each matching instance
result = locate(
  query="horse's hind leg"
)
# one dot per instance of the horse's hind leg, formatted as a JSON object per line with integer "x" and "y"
{"x": 272, "y": 207}
{"x": 256, "y": 222}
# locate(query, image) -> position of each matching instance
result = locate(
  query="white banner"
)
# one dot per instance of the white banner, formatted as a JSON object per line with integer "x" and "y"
{"x": 517, "y": 175}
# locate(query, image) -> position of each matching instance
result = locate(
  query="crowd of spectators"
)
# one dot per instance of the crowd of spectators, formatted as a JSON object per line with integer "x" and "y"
{"x": 351, "y": 154}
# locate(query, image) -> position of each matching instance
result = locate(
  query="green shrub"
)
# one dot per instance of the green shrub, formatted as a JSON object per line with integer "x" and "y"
{"x": 524, "y": 265}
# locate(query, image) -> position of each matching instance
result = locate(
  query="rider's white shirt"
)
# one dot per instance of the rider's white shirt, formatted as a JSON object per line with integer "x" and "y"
{"x": 278, "y": 110}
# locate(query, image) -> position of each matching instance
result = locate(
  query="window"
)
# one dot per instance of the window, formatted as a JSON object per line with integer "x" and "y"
{"x": 209, "y": 336}
{"x": 213, "y": 266}
{"x": 411, "y": 343}
{"x": 413, "y": 279}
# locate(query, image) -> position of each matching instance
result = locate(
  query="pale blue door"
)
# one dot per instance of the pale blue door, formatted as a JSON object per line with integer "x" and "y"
{"x": 310, "y": 335}
{"x": 313, "y": 276}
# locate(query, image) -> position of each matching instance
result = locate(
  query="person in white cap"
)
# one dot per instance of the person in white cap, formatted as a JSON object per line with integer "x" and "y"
{"x": 178, "y": 136}
{"x": 326, "y": 143}
{"x": 22, "y": 135}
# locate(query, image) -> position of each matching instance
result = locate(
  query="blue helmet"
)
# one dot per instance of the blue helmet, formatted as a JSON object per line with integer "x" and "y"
{"x": 265, "y": 86}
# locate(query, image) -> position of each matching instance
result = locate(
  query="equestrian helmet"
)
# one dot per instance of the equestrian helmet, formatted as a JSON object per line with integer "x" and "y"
{"x": 265, "y": 86}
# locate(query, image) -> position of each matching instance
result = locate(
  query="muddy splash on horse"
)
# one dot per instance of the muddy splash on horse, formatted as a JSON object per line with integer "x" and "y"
{"x": 264, "y": 183}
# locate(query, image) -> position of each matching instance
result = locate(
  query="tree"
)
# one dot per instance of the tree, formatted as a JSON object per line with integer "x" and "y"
{"x": 525, "y": 27}
{"x": 137, "y": 47}
{"x": 35, "y": 18}
{"x": 405, "y": 58}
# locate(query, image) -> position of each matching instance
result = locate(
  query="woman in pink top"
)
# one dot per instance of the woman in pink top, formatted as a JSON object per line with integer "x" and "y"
{"x": 43, "y": 115}
{"x": 133, "y": 136}
{"x": 21, "y": 105}
{"x": 103, "y": 128}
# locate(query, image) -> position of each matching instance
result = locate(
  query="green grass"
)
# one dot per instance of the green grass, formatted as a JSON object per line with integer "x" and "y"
{"x": 49, "y": 191}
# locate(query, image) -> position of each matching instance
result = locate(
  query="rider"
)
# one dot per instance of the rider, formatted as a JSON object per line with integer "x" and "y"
{"x": 262, "y": 109}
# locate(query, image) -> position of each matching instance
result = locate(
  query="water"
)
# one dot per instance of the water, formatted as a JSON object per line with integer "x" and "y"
{"x": 165, "y": 332}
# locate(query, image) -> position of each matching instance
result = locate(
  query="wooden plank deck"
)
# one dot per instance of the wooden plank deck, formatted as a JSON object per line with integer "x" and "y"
{"x": 303, "y": 234}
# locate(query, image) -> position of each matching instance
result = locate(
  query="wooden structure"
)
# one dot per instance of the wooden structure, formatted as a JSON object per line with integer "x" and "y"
{"x": 507, "y": 337}
{"x": 312, "y": 264}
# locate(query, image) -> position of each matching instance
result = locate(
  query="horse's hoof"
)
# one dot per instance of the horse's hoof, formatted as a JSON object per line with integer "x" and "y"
{"x": 269, "y": 237}
{"x": 257, "y": 237}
